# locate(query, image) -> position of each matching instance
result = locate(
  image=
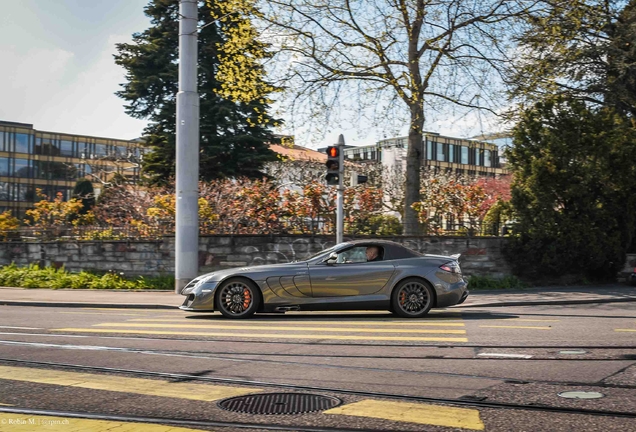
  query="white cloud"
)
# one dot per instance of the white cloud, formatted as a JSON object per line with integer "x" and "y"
{"x": 53, "y": 91}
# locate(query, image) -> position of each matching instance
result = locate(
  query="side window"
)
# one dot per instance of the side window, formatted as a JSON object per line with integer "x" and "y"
{"x": 356, "y": 254}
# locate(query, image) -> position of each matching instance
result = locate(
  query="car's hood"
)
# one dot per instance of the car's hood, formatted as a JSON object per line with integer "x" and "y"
{"x": 251, "y": 270}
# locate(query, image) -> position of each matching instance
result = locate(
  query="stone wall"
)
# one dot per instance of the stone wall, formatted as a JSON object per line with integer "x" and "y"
{"x": 480, "y": 256}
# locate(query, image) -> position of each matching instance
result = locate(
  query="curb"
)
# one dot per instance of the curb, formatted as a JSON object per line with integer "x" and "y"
{"x": 548, "y": 302}
{"x": 85, "y": 305}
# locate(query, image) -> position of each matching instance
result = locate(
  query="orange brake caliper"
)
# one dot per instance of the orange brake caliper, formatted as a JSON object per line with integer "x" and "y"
{"x": 247, "y": 297}
{"x": 402, "y": 297}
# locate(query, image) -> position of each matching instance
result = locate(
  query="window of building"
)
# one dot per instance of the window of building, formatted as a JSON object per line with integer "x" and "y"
{"x": 121, "y": 151}
{"x": 487, "y": 161}
{"x": 451, "y": 153}
{"x": 22, "y": 168}
{"x": 100, "y": 150}
{"x": 8, "y": 142}
{"x": 4, "y": 191}
{"x": 23, "y": 143}
{"x": 1, "y": 140}
{"x": 464, "y": 155}
{"x": 429, "y": 150}
{"x": 440, "y": 152}
{"x": 4, "y": 166}
{"x": 66, "y": 148}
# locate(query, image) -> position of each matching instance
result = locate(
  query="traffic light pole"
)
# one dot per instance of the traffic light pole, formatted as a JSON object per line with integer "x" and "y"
{"x": 340, "y": 200}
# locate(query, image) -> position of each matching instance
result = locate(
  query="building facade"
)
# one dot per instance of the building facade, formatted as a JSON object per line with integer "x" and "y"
{"x": 53, "y": 162}
{"x": 447, "y": 154}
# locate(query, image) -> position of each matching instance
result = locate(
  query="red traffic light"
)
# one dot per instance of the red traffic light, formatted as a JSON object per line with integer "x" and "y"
{"x": 332, "y": 152}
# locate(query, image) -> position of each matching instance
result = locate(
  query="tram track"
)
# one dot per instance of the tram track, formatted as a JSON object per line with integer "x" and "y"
{"x": 180, "y": 377}
{"x": 178, "y": 422}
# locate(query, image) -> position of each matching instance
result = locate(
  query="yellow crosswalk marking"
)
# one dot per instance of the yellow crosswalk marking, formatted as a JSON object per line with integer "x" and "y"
{"x": 266, "y": 335}
{"x": 413, "y": 413}
{"x": 516, "y": 327}
{"x": 528, "y": 320}
{"x": 256, "y": 327}
{"x": 28, "y": 423}
{"x": 4, "y": 404}
{"x": 201, "y": 392}
{"x": 625, "y": 330}
{"x": 455, "y": 323}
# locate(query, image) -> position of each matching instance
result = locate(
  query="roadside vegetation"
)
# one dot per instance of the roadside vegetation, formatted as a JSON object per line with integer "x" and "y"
{"x": 33, "y": 276}
{"x": 489, "y": 283}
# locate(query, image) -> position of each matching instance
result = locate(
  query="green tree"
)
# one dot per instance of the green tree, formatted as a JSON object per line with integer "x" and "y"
{"x": 574, "y": 190}
{"x": 397, "y": 61}
{"x": 579, "y": 48}
{"x": 84, "y": 191}
{"x": 234, "y": 131}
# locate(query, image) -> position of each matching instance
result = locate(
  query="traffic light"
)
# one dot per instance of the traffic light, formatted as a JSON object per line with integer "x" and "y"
{"x": 358, "y": 179}
{"x": 334, "y": 165}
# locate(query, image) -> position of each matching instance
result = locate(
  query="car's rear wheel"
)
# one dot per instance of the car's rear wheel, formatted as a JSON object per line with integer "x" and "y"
{"x": 412, "y": 298}
{"x": 238, "y": 298}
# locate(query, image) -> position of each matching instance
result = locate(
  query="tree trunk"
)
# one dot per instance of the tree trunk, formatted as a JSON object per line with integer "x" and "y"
{"x": 413, "y": 164}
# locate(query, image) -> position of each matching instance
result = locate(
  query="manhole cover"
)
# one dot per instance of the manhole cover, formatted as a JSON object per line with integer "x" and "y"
{"x": 581, "y": 395}
{"x": 279, "y": 403}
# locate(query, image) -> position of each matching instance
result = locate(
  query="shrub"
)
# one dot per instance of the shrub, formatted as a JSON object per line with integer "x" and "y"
{"x": 490, "y": 283}
{"x": 33, "y": 276}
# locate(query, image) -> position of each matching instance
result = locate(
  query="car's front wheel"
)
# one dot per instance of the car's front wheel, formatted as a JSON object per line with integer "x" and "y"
{"x": 412, "y": 298}
{"x": 238, "y": 298}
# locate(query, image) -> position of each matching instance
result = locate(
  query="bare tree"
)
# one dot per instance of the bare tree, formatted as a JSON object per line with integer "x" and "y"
{"x": 394, "y": 59}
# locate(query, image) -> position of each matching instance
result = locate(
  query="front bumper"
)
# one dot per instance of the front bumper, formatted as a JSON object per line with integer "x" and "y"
{"x": 200, "y": 298}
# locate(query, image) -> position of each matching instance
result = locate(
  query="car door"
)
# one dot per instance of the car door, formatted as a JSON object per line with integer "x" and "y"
{"x": 350, "y": 275}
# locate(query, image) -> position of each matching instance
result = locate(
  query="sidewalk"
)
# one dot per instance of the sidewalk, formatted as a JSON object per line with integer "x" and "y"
{"x": 169, "y": 300}
{"x": 90, "y": 298}
{"x": 614, "y": 293}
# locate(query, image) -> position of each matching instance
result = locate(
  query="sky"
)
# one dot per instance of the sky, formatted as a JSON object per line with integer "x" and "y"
{"x": 59, "y": 74}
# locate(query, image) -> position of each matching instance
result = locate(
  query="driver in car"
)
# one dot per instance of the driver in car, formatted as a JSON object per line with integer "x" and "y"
{"x": 373, "y": 253}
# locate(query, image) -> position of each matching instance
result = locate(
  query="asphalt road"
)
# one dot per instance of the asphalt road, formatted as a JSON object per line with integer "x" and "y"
{"x": 494, "y": 369}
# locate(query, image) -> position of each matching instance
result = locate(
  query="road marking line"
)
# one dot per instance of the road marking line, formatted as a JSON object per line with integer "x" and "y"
{"x": 413, "y": 413}
{"x": 320, "y": 329}
{"x": 28, "y": 423}
{"x": 22, "y": 328}
{"x": 152, "y": 310}
{"x": 266, "y": 335}
{"x": 516, "y": 327}
{"x": 4, "y": 404}
{"x": 201, "y": 392}
{"x": 625, "y": 330}
{"x": 298, "y": 322}
{"x": 101, "y": 313}
{"x": 524, "y": 356}
{"x": 528, "y": 320}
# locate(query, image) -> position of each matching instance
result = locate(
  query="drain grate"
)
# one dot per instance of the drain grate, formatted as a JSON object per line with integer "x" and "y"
{"x": 279, "y": 403}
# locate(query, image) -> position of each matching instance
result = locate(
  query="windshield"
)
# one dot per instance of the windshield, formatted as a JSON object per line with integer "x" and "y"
{"x": 323, "y": 252}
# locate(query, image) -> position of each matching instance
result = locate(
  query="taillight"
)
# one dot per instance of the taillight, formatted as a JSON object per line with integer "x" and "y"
{"x": 451, "y": 267}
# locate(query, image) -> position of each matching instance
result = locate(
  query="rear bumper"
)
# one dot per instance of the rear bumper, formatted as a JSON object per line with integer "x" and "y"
{"x": 452, "y": 295}
{"x": 464, "y": 297}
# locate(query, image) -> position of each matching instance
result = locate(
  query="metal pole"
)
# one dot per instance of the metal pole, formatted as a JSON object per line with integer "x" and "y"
{"x": 187, "y": 187}
{"x": 340, "y": 201}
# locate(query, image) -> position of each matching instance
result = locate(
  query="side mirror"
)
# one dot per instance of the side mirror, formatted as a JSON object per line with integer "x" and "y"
{"x": 333, "y": 257}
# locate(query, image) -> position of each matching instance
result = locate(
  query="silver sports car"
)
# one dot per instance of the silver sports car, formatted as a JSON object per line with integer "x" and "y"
{"x": 356, "y": 275}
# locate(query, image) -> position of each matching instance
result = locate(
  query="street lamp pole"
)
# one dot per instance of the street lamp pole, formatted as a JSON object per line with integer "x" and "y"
{"x": 187, "y": 187}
